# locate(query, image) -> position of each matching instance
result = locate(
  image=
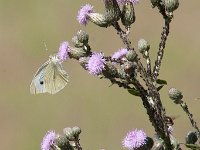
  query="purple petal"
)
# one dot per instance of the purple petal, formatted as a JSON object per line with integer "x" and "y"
{"x": 82, "y": 16}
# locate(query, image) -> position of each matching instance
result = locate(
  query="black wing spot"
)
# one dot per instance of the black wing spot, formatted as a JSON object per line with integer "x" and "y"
{"x": 41, "y": 82}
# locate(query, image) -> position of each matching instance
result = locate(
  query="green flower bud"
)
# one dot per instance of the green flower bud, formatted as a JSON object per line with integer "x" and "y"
{"x": 77, "y": 131}
{"x": 191, "y": 138}
{"x": 69, "y": 132}
{"x": 112, "y": 11}
{"x": 175, "y": 95}
{"x": 171, "y": 5}
{"x": 76, "y": 42}
{"x": 98, "y": 19}
{"x": 128, "y": 14}
{"x": 143, "y": 46}
{"x": 82, "y": 36}
{"x": 78, "y": 52}
{"x": 131, "y": 55}
{"x": 63, "y": 143}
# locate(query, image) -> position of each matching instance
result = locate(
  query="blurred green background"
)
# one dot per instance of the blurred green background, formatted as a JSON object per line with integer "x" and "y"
{"x": 104, "y": 113}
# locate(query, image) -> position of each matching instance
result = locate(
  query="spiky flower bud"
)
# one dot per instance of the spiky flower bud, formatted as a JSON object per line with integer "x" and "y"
{"x": 143, "y": 46}
{"x": 78, "y": 52}
{"x": 82, "y": 36}
{"x": 112, "y": 11}
{"x": 171, "y": 5}
{"x": 131, "y": 55}
{"x": 69, "y": 132}
{"x": 72, "y": 133}
{"x": 128, "y": 14}
{"x": 76, "y": 130}
{"x": 175, "y": 95}
{"x": 63, "y": 143}
{"x": 191, "y": 138}
{"x": 98, "y": 19}
{"x": 76, "y": 42}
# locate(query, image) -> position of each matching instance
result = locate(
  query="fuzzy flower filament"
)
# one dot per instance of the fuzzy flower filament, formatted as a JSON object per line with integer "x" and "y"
{"x": 83, "y": 13}
{"x": 63, "y": 51}
{"x": 48, "y": 140}
{"x": 96, "y": 64}
{"x": 134, "y": 139}
{"x": 120, "y": 53}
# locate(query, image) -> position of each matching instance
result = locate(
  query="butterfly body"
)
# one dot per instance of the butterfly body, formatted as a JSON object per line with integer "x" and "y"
{"x": 50, "y": 77}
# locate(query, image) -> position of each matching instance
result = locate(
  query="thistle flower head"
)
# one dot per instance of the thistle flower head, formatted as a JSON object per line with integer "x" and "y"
{"x": 63, "y": 51}
{"x": 96, "y": 64}
{"x": 120, "y": 53}
{"x": 125, "y": 1}
{"x": 83, "y": 13}
{"x": 134, "y": 139}
{"x": 48, "y": 140}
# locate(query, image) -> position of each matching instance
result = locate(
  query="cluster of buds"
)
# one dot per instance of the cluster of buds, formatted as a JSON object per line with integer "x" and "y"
{"x": 168, "y": 5}
{"x": 68, "y": 141}
{"x": 121, "y": 65}
{"x": 113, "y": 13}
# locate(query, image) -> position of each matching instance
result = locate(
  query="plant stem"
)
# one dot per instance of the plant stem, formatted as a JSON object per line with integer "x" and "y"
{"x": 154, "y": 108}
{"x": 190, "y": 116}
{"x": 160, "y": 53}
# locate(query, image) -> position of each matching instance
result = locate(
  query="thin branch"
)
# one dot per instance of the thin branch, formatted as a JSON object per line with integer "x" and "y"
{"x": 190, "y": 116}
{"x": 160, "y": 53}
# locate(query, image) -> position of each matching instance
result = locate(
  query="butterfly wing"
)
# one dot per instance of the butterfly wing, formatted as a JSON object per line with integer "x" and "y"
{"x": 37, "y": 85}
{"x": 55, "y": 77}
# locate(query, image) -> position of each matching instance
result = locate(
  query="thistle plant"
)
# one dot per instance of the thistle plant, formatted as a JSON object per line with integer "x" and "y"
{"x": 125, "y": 69}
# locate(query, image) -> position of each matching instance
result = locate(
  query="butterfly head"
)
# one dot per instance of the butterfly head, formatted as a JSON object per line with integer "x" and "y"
{"x": 54, "y": 58}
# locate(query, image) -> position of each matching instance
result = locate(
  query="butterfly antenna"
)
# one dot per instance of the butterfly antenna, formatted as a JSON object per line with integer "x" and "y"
{"x": 45, "y": 45}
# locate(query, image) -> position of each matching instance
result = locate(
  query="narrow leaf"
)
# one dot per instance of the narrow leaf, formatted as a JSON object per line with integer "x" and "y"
{"x": 160, "y": 87}
{"x": 159, "y": 81}
{"x": 134, "y": 92}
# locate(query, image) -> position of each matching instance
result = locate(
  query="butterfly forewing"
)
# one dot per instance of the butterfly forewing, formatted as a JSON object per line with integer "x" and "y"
{"x": 37, "y": 85}
{"x": 55, "y": 78}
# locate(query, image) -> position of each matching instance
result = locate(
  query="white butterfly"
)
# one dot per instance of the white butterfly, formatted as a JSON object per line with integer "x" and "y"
{"x": 50, "y": 77}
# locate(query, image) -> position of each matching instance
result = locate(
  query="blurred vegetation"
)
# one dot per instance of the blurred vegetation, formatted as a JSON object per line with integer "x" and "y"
{"x": 104, "y": 113}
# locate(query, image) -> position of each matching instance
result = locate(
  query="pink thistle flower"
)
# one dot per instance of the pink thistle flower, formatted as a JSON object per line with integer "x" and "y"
{"x": 63, "y": 51}
{"x": 96, "y": 64}
{"x": 83, "y": 13}
{"x": 120, "y": 53}
{"x": 134, "y": 139}
{"x": 48, "y": 140}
